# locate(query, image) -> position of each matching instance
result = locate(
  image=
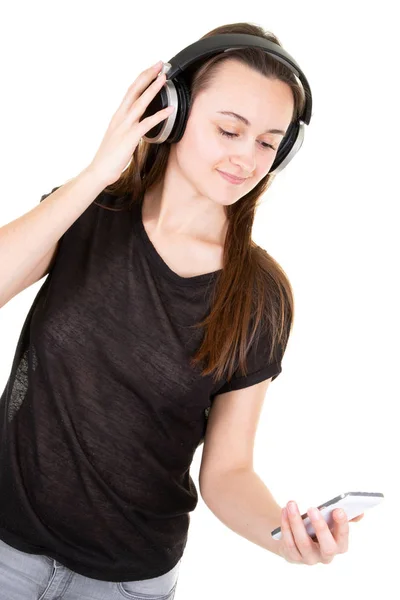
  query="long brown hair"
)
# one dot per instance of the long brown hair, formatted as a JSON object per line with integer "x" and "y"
{"x": 236, "y": 317}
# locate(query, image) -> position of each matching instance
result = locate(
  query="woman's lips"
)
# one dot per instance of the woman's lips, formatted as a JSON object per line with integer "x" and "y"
{"x": 230, "y": 178}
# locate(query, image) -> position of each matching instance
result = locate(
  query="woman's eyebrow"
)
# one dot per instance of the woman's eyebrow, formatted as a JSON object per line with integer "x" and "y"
{"x": 247, "y": 122}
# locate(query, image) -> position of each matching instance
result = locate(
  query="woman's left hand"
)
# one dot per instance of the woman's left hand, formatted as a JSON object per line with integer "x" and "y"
{"x": 296, "y": 545}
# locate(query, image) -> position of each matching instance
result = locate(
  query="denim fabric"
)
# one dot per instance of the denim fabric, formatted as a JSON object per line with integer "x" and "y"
{"x": 38, "y": 577}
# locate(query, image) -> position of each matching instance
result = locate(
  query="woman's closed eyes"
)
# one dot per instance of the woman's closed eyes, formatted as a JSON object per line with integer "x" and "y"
{"x": 231, "y": 135}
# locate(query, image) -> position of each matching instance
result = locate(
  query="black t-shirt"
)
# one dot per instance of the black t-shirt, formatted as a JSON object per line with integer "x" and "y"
{"x": 103, "y": 412}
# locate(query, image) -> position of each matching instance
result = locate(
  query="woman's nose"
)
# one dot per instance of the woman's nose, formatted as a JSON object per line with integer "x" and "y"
{"x": 246, "y": 162}
{"x": 246, "y": 158}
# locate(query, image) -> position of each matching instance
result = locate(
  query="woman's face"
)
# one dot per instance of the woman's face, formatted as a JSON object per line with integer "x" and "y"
{"x": 250, "y": 152}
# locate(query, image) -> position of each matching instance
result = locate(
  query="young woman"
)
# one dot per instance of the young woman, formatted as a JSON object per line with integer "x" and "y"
{"x": 159, "y": 327}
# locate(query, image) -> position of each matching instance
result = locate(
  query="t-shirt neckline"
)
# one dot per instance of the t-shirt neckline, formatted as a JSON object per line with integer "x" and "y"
{"x": 159, "y": 262}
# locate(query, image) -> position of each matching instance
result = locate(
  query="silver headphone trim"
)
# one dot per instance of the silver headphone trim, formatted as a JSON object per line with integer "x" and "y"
{"x": 295, "y": 148}
{"x": 172, "y": 99}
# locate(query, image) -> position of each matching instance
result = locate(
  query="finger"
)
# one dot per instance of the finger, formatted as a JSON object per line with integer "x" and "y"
{"x": 138, "y": 86}
{"x": 149, "y": 122}
{"x": 135, "y": 111}
{"x": 287, "y": 538}
{"x": 141, "y": 103}
{"x": 304, "y": 543}
{"x": 327, "y": 544}
{"x": 341, "y": 530}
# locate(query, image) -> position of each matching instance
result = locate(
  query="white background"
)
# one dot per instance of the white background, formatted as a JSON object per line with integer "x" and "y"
{"x": 330, "y": 421}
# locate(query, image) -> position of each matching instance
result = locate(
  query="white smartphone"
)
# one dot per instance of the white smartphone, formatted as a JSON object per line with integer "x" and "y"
{"x": 353, "y": 504}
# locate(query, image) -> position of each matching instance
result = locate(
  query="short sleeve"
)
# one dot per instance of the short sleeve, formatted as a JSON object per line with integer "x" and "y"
{"x": 60, "y": 241}
{"x": 259, "y": 367}
{"x": 45, "y": 195}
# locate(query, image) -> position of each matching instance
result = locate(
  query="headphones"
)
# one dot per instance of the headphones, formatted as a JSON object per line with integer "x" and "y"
{"x": 175, "y": 92}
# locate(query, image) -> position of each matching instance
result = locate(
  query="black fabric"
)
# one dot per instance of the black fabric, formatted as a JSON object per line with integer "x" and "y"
{"x": 102, "y": 411}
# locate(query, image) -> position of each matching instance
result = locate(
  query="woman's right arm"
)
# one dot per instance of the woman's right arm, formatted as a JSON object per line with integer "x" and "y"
{"x": 29, "y": 243}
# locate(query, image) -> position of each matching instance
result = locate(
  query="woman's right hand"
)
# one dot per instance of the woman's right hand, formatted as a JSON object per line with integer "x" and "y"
{"x": 125, "y": 130}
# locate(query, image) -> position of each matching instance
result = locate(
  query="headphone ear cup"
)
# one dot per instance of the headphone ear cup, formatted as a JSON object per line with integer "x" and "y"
{"x": 286, "y": 146}
{"x": 182, "y": 112}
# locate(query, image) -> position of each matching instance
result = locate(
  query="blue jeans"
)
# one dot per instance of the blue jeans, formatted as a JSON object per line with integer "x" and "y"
{"x": 38, "y": 577}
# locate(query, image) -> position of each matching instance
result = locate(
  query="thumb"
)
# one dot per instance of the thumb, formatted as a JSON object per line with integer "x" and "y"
{"x": 357, "y": 518}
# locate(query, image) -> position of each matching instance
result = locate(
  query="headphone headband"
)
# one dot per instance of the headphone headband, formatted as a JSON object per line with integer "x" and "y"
{"x": 208, "y": 47}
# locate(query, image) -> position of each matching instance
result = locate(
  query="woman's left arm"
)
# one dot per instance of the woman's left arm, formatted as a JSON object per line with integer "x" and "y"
{"x": 241, "y": 501}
